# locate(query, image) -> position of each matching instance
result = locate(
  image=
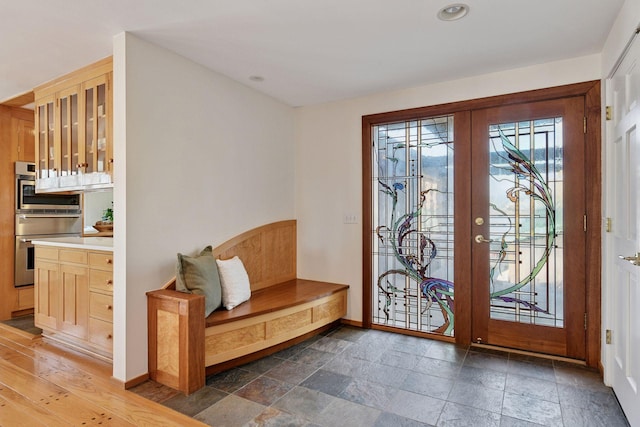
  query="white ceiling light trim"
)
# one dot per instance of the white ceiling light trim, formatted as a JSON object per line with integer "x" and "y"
{"x": 453, "y": 12}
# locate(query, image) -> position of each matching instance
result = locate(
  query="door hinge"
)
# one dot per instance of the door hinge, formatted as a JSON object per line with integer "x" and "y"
{"x": 585, "y": 321}
{"x": 608, "y": 336}
{"x": 584, "y": 223}
{"x": 607, "y": 225}
{"x": 608, "y": 113}
{"x": 584, "y": 122}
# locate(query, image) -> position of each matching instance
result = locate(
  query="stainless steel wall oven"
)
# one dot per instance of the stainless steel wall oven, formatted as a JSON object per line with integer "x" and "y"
{"x": 39, "y": 216}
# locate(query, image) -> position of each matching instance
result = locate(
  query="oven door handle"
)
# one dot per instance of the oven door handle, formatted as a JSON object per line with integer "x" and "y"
{"x": 27, "y": 216}
{"x": 25, "y": 240}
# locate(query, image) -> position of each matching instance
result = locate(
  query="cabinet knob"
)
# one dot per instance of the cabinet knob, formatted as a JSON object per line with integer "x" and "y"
{"x": 79, "y": 165}
{"x": 109, "y": 282}
{"x": 109, "y": 261}
{"x": 109, "y": 307}
{"x": 110, "y": 160}
{"x": 109, "y": 336}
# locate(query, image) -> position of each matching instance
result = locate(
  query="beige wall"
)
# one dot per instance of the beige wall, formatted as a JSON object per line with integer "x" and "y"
{"x": 328, "y": 162}
{"x": 199, "y": 158}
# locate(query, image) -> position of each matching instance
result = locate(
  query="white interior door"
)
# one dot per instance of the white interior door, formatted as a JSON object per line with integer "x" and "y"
{"x": 622, "y": 244}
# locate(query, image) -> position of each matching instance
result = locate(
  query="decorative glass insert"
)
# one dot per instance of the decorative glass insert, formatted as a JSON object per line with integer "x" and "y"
{"x": 413, "y": 218}
{"x": 526, "y": 222}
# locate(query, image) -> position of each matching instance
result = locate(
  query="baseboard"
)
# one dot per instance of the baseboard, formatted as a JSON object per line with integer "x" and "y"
{"x": 132, "y": 382}
{"x": 349, "y": 322}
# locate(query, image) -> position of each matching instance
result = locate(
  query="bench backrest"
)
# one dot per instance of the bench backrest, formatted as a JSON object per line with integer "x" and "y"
{"x": 267, "y": 252}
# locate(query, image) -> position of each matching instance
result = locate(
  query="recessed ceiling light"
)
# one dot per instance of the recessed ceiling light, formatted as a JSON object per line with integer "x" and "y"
{"x": 256, "y": 78}
{"x": 453, "y": 12}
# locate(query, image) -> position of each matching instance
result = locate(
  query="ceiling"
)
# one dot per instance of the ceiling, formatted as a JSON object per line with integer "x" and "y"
{"x": 308, "y": 52}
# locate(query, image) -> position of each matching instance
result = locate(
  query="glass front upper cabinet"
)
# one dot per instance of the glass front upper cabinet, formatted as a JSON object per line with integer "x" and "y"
{"x": 45, "y": 134}
{"x": 96, "y": 132}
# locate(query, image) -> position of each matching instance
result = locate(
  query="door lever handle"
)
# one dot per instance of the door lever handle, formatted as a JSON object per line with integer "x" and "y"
{"x": 635, "y": 260}
{"x": 480, "y": 239}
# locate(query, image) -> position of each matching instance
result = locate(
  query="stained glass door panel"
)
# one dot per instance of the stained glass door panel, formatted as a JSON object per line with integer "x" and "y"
{"x": 528, "y": 204}
{"x": 412, "y": 239}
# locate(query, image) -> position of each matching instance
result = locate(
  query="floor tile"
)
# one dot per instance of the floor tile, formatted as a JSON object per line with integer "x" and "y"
{"x": 579, "y": 377}
{"x": 232, "y": 411}
{"x": 532, "y": 387}
{"x": 154, "y": 391}
{"x": 347, "y": 333}
{"x": 506, "y": 421}
{"x": 416, "y": 407}
{"x": 232, "y": 380}
{"x": 364, "y": 350}
{"x": 455, "y": 415}
{"x": 330, "y": 345}
{"x": 446, "y": 351}
{"x": 264, "y": 390}
{"x": 573, "y": 416}
{"x": 428, "y": 385}
{"x": 586, "y": 398}
{"x": 344, "y": 413}
{"x": 484, "y": 377}
{"x": 385, "y": 375}
{"x": 367, "y": 393}
{"x": 476, "y": 396}
{"x": 346, "y": 365}
{"x": 290, "y": 372}
{"x": 312, "y": 357}
{"x": 412, "y": 345}
{"x": 398, "y": 359}
{"x": 262, "y": 365}
{"x": 327, "y": 382}
{"x": 533, "y": 370}
{"x": 272, "y": 417}
{"x": 304, "y": 402}
{"x": 387, "y": 419}
{"x": 533, "y": 410}
{"x": 486, "y": 361}
{"x": 438, "y": 368}
{"x": 195, "y": 402}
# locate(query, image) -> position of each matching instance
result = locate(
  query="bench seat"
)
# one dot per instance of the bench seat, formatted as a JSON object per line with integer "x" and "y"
{"x": 184, "y": 346}
{"x": 275, "y": 298}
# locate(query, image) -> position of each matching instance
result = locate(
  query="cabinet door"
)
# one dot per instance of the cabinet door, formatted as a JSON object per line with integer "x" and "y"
{"x": 97, "y": 133}
{"x": 46, "y": 277}
{"x": 73, "y": 306}
{"x": 45, "y": 137}
{"x": 69, "y": 131}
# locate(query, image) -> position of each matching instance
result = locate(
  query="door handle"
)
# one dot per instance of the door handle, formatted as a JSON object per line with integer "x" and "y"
{"x": 635, "y": 260}
{"x": 480, "y": 239}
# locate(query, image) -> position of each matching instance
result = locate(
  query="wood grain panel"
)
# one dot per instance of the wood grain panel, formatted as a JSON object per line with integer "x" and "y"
{"x": 237, "y": 338}
{"x": 77, "y": 257}
{"x": 101, "y": 280}
{"x": 101, "y": 334}
{"x": 46, "y": 252}
{"x": 168, "y": 352}
{"x": 101, "y": 260}
{"x": 101, "y": 306}
{"x": 277, "y": 327}
{"x": 25, "y": 298}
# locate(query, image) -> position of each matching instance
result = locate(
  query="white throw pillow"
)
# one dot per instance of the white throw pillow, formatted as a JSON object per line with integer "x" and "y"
{"x": 234, "y": 281}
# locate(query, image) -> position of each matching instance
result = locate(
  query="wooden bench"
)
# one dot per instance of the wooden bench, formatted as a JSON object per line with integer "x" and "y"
{"x": 283, "y": 310}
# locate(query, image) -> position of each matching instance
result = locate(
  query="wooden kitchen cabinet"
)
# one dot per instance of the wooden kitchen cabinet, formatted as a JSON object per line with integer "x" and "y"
{"x": 74, "y": 128}
{"x": 74, "y": 297}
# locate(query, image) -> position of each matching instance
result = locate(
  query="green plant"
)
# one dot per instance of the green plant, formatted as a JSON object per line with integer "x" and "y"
{"x": 107, "y": 215}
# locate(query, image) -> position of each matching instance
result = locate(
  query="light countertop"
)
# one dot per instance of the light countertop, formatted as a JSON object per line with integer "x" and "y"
{"x": 91, "y": 243}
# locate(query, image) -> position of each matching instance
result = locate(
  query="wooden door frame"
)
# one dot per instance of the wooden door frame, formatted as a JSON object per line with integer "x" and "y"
{"x": 591, "y": 91}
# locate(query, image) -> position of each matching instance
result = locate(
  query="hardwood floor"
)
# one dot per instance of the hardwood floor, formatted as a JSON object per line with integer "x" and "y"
{"x": 43, "y": 384}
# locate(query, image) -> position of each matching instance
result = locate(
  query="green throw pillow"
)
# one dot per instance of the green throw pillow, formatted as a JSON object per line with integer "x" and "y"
{"x": 199, "y": 275}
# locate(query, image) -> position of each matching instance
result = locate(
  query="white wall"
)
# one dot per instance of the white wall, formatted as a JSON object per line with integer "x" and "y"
{"x": 328, "y": 162}
{"x": 199, "y": 158}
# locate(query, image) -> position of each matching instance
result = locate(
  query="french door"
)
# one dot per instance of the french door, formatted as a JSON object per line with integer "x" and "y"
{"x": 528, "y": 229}
{"x": 481, "y": 221}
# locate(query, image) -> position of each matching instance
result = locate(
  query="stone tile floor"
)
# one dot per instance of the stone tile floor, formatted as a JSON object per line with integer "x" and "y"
{"x": 354, "y": 377}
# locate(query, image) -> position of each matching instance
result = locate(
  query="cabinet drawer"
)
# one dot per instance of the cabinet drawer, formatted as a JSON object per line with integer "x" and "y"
{"x": 77, "y": 257}
{"x": 101, "y": 260}
{"x": 45, "y": 252}
{"x": 101, "y": 306}
{"x": 101, "y": 333}
{"x": 100, "y": 280}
